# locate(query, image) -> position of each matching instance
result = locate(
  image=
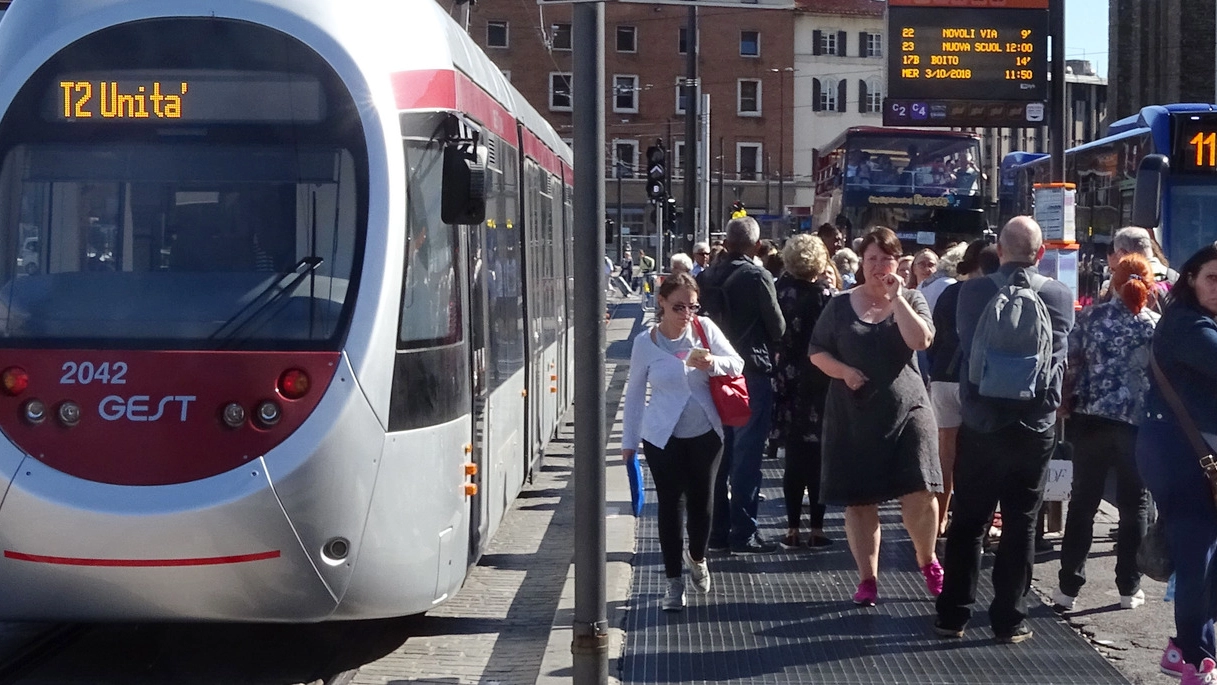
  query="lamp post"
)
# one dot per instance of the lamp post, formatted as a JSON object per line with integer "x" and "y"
{"x": 782, "y": 136}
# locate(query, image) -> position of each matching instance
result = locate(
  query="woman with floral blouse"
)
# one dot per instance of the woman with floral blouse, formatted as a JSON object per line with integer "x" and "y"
{"x": 1105, "y": 390}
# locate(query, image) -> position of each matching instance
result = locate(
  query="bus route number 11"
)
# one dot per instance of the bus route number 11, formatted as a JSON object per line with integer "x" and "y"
{"x": 1205, "y": 143}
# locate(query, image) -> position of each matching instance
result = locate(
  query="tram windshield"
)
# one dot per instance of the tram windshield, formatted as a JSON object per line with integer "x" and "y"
{"x": 166, "y": 206}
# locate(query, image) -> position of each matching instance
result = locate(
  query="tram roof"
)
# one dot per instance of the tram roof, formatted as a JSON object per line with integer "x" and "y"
{"x": 369, "y": 31}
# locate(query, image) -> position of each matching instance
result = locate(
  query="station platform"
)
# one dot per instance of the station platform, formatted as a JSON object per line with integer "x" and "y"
{"x": 788, "y": 616}
{"x": 784, "y": 617}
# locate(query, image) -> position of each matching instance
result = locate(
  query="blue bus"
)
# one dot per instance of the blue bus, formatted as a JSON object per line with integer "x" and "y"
{"x": 1157, "y": 168}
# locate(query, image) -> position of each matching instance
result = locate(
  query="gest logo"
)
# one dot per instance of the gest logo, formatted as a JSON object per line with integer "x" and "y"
{"x": 137, "y": 408}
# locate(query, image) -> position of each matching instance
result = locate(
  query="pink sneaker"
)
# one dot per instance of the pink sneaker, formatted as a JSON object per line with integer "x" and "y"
{"x": 933, "y": 577}
{"x": 1172, "y": 660}
{"x": 1207, "y": 675}
{"x": 867, "y": 594}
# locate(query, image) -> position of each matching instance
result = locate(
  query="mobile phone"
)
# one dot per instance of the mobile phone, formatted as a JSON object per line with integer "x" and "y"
{"x": 696, "y": 354}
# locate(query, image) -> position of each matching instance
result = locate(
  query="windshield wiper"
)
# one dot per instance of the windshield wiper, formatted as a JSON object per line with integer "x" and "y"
{"x": 261, "y": 303}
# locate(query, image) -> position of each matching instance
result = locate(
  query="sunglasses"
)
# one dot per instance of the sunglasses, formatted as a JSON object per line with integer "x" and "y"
{"x": 682, "y": 308}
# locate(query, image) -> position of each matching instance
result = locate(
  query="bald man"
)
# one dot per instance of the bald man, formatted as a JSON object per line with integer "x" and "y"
{"x": 1003, "y": 452}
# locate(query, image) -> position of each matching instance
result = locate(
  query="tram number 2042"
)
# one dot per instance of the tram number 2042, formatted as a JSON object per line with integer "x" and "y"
{"x": 84, "y": 373}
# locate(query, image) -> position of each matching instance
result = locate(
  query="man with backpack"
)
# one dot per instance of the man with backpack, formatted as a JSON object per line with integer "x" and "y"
{"x": 740, "y": 297}
{"x": 1013, "y": 330}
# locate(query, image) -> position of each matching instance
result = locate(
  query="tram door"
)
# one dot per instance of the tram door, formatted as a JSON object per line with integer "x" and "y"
{"x": 479, "y": 334}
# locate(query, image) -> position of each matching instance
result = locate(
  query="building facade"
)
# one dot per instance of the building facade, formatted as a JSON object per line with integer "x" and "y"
{"x": 746, "y": 61}
{"x": 1160, "y": 52}
{"x": 839, "y": 80}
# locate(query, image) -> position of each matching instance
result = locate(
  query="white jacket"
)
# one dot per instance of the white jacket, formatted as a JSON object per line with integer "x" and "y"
{"x": 672, "y": 383}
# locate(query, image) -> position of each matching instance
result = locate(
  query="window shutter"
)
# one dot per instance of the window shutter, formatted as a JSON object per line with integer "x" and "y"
{"x": 815, "y": 95}
{"x": 861, "y": 96}
{"x": 816, "y": 39}
{"x": 862, "y": 44}
{"x": 841, "y": 38}
{"x": 841, "y": 95}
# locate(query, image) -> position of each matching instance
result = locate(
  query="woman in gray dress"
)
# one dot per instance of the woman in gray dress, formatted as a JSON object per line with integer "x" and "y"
{"x": 880, "y": 438}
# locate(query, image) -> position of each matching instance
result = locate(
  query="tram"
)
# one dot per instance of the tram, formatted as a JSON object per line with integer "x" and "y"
{"x": 284, "y": 307}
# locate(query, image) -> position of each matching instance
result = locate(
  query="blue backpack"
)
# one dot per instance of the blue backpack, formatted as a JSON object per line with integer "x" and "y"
{"x": 1011, "y": 353}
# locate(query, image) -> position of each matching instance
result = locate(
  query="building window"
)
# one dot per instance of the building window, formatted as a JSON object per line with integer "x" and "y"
{"x": 748, "y": 98}
{"x": 682, "y": 42}
{"x": 681, "y": 99}
{"x": 560, "y": 37}
{"x": 625, "y": 93}
{"x": 750, "y": 43}
{"x": 625, "y": 158}
{"x": 824, "y": 94}
{"x": 559, "y": 91}
{"x": 496, "y": 34}
{"x": 627, "y": 39}
{"x": 870, "y": 95}
{"x": 677, "y": 161}
{"x": 872, "y": 45}
{"x": 828, "y": 43}
{"x": 748, "y": 161}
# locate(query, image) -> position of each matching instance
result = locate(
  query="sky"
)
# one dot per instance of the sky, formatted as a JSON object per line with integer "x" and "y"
{"x": 1086, "y": 32}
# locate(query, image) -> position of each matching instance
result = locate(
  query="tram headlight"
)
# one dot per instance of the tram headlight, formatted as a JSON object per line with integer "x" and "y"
{"x": 268, "y": 413}
{"x": 34, "y": 411}
{"x": 293, "y": 384}
{"x": 69, "y": 413}
{"x": 15, "y": 380}
{"x": 233, "y": 415}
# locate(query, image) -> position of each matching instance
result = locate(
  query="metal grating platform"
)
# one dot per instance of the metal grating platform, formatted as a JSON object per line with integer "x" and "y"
{"x": 787, "y": 617}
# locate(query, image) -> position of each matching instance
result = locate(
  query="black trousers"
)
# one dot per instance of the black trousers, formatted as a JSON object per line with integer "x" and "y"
{"x": 802, "y": 475}
{"x": 684, "y": 467}
{"x": 1101, "y": 445}
{"x": 1008, "y": 467}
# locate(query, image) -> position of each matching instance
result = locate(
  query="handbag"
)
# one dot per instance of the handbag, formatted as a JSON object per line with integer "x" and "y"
{"x": 1208, "y": 463}
{"x": 730, "y": 393}
{"x": 1153, "y": 556}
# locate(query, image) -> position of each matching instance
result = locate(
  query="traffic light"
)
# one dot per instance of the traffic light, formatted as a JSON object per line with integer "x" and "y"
{"x": 657, "y": 177}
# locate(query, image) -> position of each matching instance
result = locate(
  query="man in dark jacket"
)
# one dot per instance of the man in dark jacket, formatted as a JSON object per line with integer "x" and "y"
{"x": 1003, "y": 452}
{"x": 740, "y": 297}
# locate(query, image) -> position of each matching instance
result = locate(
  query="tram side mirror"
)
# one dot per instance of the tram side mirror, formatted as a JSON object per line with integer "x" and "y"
{"x": 1147, "y": 197}
{"x": 464, "y": 194}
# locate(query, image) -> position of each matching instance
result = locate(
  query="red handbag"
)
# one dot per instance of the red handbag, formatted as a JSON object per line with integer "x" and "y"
{"x": 730, "y": 393}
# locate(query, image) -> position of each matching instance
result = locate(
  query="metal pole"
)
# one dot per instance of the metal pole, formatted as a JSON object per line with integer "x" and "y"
{"x": 620, "y": 223}
{"x": 782, "y": 146}
{"x": 589, "y": 646}
{"x": 703, "y": 221}
{"x": 722, "y": 169}
{"x": 691, "y": 106}
{"x": 1059, "y": 125}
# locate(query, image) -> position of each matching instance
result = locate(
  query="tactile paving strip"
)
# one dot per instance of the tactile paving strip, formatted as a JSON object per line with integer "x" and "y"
{"x": 788, "y": 617}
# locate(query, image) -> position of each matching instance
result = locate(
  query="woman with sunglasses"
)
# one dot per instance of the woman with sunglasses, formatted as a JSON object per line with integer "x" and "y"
{"x": 679, "y": 428}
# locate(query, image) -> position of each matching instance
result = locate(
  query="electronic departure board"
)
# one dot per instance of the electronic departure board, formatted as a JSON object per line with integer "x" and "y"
{"x": 189, "y": 96}
{"x": 1195, "y": 144}
{"x": 950, "y": 60}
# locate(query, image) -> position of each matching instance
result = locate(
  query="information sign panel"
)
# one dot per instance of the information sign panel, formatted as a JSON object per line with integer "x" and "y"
{"x": 990, "y": 54}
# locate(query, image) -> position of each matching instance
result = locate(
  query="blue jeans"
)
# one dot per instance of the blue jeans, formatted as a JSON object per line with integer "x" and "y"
{"x": 1171, "y": 470}
{"x": 735, "y": 517}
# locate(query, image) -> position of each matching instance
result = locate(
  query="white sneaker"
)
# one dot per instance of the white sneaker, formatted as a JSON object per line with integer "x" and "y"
{"x": 1066, "y": 602}
{"x": 1132, "y": 601}
{"x": 674, "y": 598}
{"x": 699, "y": 571}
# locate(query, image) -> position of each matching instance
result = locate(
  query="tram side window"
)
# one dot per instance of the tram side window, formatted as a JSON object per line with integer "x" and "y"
{"x": 503, "y": 256}
{"x": 430, "y": 313}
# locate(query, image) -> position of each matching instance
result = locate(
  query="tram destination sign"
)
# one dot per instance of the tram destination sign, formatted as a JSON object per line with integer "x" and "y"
{"x": 186, "y": 96}
{"x": 967, "y": 51}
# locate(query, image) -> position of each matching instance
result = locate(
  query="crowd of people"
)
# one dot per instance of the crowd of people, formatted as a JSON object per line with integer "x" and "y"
{"x": 885, "y": 377}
